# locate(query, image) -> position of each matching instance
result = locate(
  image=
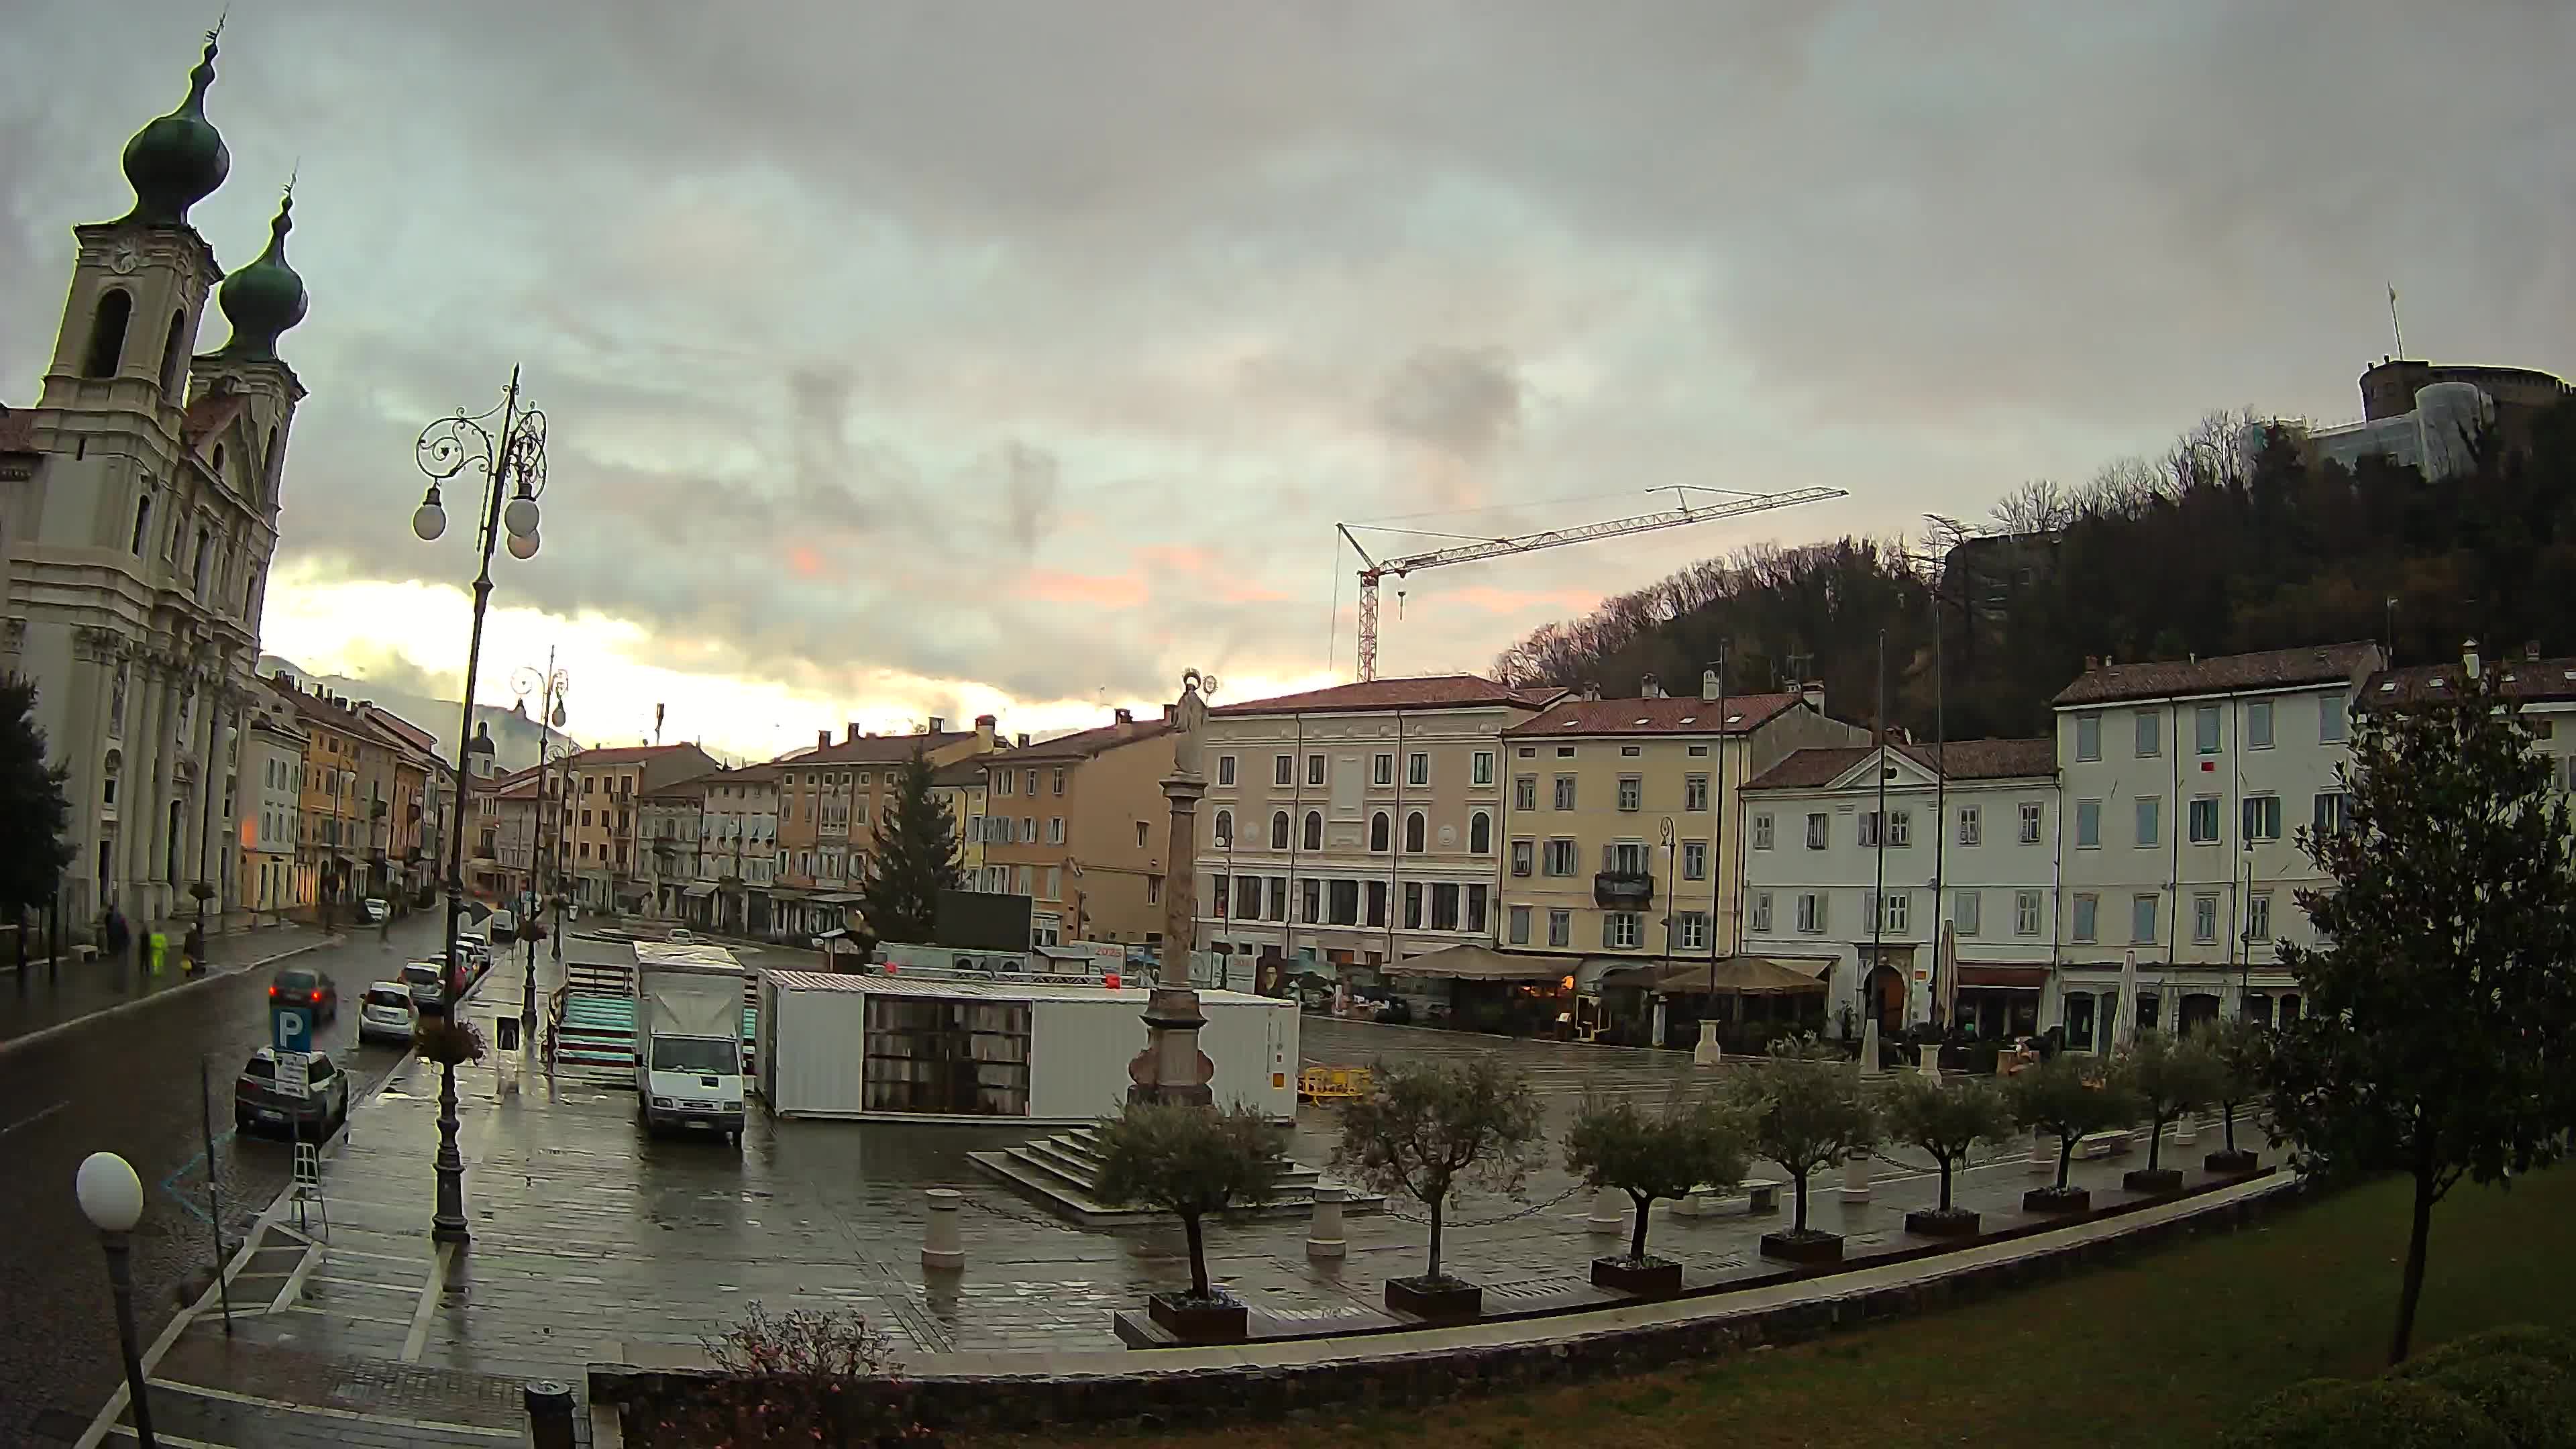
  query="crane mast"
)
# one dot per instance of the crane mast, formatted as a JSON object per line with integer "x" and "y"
{"x": 1675, "y": 517}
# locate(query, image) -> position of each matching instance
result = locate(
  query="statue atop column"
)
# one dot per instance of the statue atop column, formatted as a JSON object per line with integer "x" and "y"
{"x": 1189, "y": 721}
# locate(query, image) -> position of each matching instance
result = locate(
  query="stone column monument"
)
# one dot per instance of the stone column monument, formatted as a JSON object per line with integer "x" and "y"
{"x": 1171, "y": 1068}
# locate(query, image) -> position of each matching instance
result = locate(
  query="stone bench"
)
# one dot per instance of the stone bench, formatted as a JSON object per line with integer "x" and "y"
{"x": 1761, "y": 1195}
{"x": 2105, "y": 1144}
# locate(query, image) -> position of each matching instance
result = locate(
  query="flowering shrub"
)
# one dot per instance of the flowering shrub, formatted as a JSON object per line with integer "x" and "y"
{"x": 807, "y": 1376}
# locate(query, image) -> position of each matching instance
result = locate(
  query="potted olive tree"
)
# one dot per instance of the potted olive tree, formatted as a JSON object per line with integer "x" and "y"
{"x": 1650, "y": 1155}
{"x": 1803, "y": 1108}
{"x": 2068, "y": 1097}
{"x": 1428, "y": 1130}
{"x": 1945, "y": 1119}
{"x": 2242, "y": 1048}
{"x": 1190, "y": 1161}
{"x": 2171, "y": 1076}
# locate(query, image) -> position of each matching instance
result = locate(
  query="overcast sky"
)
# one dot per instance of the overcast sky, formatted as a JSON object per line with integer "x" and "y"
{"x": 913, "y": 359}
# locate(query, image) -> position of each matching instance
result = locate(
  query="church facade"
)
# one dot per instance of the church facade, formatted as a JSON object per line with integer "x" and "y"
{"x": 138, "y": 515}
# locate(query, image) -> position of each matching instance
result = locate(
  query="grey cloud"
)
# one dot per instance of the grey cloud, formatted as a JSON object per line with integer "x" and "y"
{"x": 1030, "y": 482}
{"x": 1463, "y": 401}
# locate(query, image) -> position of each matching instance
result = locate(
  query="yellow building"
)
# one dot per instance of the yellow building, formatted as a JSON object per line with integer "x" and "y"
{"x": 1620, "y": 824}
{"x": 1080, "y": 825}
{"x": 959, "y": 788}
{"x": 607, "y": 866}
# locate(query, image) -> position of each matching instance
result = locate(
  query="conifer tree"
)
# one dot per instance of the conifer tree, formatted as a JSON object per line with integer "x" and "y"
{"x": 33, "y": 812}
{"x": 916, "y": 857}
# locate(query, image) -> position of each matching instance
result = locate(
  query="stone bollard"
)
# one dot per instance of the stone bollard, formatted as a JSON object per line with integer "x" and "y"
{"x": 2186, "y": 1129}
{"x": 1855, "y": 1179}
{"x": 2043, "y": 1154}
{"x": 550, "y": 1414}
{"x": 1929, "y": 1061}
{"x": 1609, "y": 1211}
{"x": 1324, "y": 1240}
{"x": 940, "y": 1245}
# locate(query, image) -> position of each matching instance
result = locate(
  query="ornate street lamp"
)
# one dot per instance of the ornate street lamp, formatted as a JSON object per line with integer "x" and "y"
{"x": 111, "y": 1197}
{"x": 513, "y": 465}
{"x": 549, "y": 688}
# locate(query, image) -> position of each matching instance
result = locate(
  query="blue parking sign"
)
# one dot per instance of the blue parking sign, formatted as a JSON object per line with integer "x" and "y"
{"x": 290, "y": 1028}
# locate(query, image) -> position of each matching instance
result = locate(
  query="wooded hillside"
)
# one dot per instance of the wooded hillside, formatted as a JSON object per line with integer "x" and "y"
{"x": 2205, "y": 550}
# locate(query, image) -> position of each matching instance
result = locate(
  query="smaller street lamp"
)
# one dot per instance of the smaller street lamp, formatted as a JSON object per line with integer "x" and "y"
{"x": 111, "y": 1197}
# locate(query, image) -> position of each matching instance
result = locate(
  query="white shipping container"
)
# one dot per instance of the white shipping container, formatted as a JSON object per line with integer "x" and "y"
{"x": 996, "y": 1050}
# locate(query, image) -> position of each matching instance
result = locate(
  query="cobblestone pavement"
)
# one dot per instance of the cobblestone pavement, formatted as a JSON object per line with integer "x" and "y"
{"x": 587, "y": 1235}
{"x": 38, "y": 998}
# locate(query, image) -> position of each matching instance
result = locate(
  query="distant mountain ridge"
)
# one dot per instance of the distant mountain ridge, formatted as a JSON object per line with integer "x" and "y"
{"x": 516, "y": 738}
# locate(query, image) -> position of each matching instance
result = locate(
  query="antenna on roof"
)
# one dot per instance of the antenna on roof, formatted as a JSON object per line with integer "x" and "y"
{"x": 2394, "y": 325}
{"x": 657, "y": 725}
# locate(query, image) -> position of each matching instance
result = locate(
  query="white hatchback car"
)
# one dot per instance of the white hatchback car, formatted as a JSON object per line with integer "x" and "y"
{"x": 387, "y": 1014}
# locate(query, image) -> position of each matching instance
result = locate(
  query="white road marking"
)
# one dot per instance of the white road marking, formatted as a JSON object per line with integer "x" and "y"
{"x": 429, "y": 1291}
{"x": 479, "y": 1431}
{"x": 31, "y": 1121}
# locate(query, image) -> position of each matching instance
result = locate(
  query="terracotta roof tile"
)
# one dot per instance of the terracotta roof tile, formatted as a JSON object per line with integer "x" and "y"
{"x": 2525, "y": 679}
{"x": 874, "y": 749}
{"x": 1082, "y": 744}
{"x": 1811, "y": 769}
{"x": 625, "y": 755}
{"x": 2220, "y": 674}
{"x": 1666, "y": 716}
{"x": 1436, "y": 691}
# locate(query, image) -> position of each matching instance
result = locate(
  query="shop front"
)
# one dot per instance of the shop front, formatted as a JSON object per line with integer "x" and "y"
{"x": 1480, "y": 989}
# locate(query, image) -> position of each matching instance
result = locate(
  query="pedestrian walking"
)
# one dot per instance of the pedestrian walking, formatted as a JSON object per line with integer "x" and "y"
{"x": 192, "y": 950}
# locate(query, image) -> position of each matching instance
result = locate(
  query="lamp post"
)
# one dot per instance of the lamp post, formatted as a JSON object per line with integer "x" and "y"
{"x": 513, "y": 465}
{"x": 111, "y": 1197}
{"x": 549, "y": 688}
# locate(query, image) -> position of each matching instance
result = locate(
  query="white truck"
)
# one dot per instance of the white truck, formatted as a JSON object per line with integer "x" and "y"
{"x": 688, "y": 1038}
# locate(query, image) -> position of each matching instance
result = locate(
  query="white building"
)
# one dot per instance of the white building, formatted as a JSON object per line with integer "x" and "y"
{"x": 2542, "y": 691}
{"x": 2185, "y": 783}
{"x": 138, "y": 512}
{"x": 1359, "y": 824}
{"x": 1968, "y": 844}
{"x": 738, "y": 857}
{"x": 271, "y": 780}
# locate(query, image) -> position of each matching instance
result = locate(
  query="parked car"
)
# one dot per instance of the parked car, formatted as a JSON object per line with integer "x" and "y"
{"x": 477, "y": 955}
{"x": 375, "y": 910}
{"x": 427, "y": 982}
{"x": 258, "y": 1103}
{"x": 387, "y": 1014}
{"x": 503, "y": 927}
{"x": 296, "y": 986}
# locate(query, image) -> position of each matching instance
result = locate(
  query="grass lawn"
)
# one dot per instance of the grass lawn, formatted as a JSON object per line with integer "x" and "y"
{"x": 2155, "y": 1352}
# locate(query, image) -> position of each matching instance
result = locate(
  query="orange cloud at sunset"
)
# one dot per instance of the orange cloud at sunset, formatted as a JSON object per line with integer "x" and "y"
{"x": 1112, "y": 591}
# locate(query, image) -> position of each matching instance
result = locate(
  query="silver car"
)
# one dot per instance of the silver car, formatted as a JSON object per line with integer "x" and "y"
{"x": 387, "y": 1014}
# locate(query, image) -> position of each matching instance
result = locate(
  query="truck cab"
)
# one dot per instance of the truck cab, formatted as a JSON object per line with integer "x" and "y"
{"x": 688, "y": 1039}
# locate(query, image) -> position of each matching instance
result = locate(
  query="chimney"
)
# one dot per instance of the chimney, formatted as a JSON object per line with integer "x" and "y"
{"x": 1123, "y": 716}
{"x": 2531, "y": 650}
{"x": 822, "y": 739}
{"x": 2092, "y": 662}
{"x": 938, "y": 724}
{"x": 1814, "y": 695}
{"x": 1708, "y": 686}
{"x": 1592, "y": 689}
{"x": 853, "y": 728}
{"x": 984, "y": 729}
{"x": 1024, "y": 739}
{"x": 2469, "y": 657}
{"x": 1650, "y": 688}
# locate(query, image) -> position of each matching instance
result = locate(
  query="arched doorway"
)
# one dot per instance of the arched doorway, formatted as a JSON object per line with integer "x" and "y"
{"x": 1883, "y": 997}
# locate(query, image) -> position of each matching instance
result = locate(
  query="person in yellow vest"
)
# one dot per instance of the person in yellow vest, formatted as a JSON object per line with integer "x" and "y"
{"x": 156, "y": 949}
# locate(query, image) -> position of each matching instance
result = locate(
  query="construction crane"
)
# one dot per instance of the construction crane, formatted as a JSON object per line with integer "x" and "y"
{"x": 1681, "y": 513}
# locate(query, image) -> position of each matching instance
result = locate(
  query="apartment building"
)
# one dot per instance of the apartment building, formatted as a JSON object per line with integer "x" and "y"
{"x": 2184, "y": 784}
{"x": 2542, "y": 691}
{"x": 738, "y": 849}
{"x": 414, "y": 843}
{"x": 271, "y": 770}
{"x": 1359, "y": 824}
{"x": 606, "y": 868}
{"x": 1620, "y": 826}
{"x": 347, "y": 769}
{"x": 1080, "y": 825}
{"x": 960, "y": 789}
{"x": 829, "y": 799}
{"x": 1858, "y": 859}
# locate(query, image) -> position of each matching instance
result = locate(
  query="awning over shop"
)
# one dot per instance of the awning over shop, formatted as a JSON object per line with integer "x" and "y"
{"x": 1469, "y": 962}
{"x": 838, "y": 898}
{"x": 2026, "y": 978}
{"x": 696, "y": 892}
{"x": 1730, "y": 976}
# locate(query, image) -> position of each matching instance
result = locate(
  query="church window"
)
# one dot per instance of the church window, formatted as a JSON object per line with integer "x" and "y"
{"x": 107, "y": 333}
{"x": 174, "y": 353}
{"x": 268, "y": 461}
{"x": 142, "y": 522}
{"x": 218, "y": 468}
{"x": 205, "y": 553}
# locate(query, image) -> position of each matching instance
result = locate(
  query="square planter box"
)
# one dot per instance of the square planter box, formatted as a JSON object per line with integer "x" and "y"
{"x": 1443, "y": 1301}
{"x": 2231, "y": 1163}
{"x": 1194, "y": 1320}
{"x": 1807, "y": 1247}
{"x": 1933, "y": 1223}
{"x": 1653, "y": 1278}
{"x": 2050, "y": 1200}
{"x": 2152, "y": 1179}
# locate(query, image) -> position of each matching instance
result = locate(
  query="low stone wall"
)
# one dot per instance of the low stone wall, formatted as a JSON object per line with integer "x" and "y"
{"x": 1406, "y": 1376}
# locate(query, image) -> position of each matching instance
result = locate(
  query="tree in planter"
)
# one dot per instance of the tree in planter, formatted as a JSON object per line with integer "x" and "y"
{"x": 915, "y": 859}
{"x": 1428, "y": 1129}
{"x": 2243, "y": 1049}
{"x": 2171, "y": 1076}
{"x": 1946, "y": 1119}
{"x": 33, "y": 812}
{"x": 1188, "y": 1161}
{"x": 1651, "y": 1155}
{"x": 2070, "y": 1098}
{"x": 1804, "y": 1110}
{"x": 2441, "y": 1025}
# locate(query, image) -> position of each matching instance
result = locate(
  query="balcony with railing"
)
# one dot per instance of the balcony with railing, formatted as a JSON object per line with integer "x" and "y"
{"x": 1623, "y": 890}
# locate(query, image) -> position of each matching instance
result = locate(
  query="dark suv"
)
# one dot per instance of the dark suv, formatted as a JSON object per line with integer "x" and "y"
{"x": 309, "y": 989}
{"x": 258, "y": 1102}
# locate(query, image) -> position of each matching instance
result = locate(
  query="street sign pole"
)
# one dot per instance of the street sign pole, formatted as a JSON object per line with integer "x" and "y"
{"x": 214, "y": 1191}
